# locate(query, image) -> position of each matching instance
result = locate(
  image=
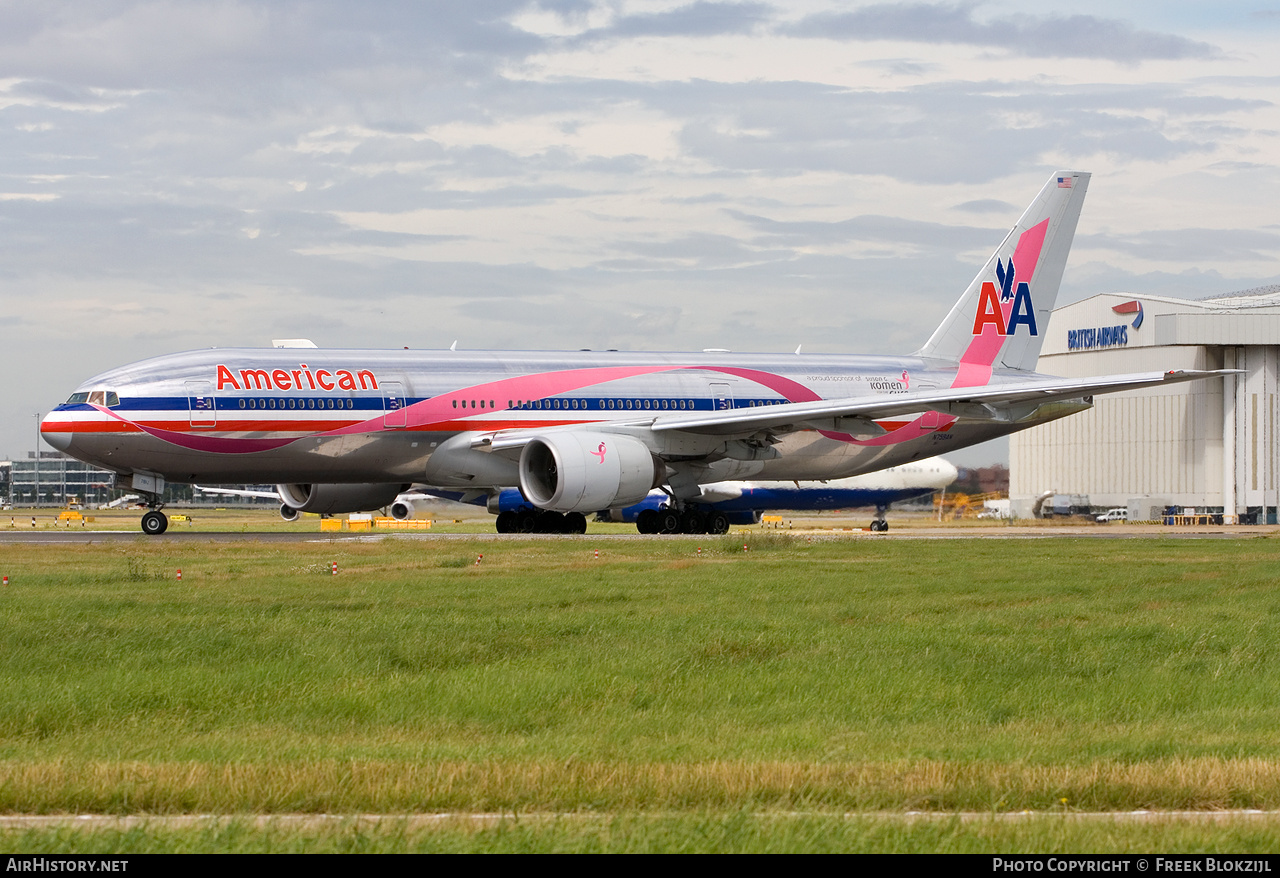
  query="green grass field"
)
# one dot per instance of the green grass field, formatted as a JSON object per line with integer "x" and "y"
{"x": 678, "y": 702}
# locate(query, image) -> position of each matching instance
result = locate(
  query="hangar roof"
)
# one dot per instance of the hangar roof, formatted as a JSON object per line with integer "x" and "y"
{"x": 1247, "y": 317}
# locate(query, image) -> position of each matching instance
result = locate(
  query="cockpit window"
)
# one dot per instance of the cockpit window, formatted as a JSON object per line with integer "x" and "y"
{"x": 108, "y": 398}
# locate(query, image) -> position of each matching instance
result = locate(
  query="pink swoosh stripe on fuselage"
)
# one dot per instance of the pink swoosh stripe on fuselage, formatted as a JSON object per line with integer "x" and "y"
{"x": 440, "y": 409}
{"x": 438, "y": 413}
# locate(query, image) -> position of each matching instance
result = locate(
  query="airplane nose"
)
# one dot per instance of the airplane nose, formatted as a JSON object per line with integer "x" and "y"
{"x": 52, "y": 431}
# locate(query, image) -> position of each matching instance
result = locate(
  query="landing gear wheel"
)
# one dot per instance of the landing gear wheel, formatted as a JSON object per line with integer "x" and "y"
{"x": 879, "y": 526}
{"x": 647, "y": 521}
{"x": 550, "y": 523}
{"x": 507, "y": 522}
{"x": 692, "y": 522}
{"x": 575, "y": 523}
{"x": 526, "y": 521}
{"x": 155, "y": 523}
{"x": 668, "y": 522}
{"x": 717, "y": 523}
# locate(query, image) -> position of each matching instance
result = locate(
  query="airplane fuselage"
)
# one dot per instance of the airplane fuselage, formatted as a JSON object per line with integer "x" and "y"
{"x": 364, "y": 416}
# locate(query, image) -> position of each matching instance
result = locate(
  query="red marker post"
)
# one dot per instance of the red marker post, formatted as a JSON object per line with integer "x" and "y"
{"x": 179, "y": 574}
{"x": 335, "y": 568}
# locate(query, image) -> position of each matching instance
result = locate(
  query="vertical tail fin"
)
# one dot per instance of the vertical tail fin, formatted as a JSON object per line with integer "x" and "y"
{"x": 1001, "y": 319}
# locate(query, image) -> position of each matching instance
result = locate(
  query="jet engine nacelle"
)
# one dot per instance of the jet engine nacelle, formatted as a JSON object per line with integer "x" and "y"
{"x": 407, "y": 510}
{"x": 336, "y": 499}
{"x": 586, "y": 472}
{"x": 288, "y": 513}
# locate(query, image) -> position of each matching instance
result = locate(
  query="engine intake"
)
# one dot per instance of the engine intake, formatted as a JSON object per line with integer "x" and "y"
{"x": 407, "y": 510}
{"x": 336, "y": 499}
{"x": 587, "y": 472}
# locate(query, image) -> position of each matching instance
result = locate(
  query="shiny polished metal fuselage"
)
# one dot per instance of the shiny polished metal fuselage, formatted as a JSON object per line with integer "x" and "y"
{"x": 362, "y": 416}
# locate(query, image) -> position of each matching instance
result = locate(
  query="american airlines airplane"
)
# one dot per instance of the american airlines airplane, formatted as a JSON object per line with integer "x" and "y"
{"x": 719, "y": 504}
{"x": 349, "y": 430}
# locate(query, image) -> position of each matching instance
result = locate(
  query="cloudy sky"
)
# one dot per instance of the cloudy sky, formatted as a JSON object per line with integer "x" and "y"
{"x": 633, "y": 174}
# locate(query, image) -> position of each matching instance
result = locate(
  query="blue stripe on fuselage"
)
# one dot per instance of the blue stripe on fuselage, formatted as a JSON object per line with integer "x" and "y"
{"x": 376, "y": 403}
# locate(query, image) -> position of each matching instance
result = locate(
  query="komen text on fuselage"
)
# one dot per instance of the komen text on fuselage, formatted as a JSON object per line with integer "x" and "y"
{"x": 586, "y": 431}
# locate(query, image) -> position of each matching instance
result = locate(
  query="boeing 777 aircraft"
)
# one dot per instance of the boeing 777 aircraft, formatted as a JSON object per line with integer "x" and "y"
{"x": 348, "y": 430}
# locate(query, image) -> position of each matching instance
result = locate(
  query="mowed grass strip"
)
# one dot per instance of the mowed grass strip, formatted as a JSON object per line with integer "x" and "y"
{"x": 714, "y": 832}
{"x": 961, "y": 674}
{"x": 614, "y": 787}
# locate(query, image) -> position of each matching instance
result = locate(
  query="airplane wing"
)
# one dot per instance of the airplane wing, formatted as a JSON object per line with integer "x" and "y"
{"x": 992, "y": 402}
{"x": 274, "y": 495}
{"x": 1002, "y": 402}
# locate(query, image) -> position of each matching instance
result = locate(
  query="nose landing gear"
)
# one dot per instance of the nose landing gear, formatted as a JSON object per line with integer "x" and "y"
{"x": 154, "y": 522}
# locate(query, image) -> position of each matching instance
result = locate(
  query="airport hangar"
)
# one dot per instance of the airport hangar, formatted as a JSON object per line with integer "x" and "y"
{"x": 1210, "y": 446}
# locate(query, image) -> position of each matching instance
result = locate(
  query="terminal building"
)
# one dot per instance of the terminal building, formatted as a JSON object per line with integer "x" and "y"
{"x": 1205, "y": 446}
{"x": 54, "y": 478}
{"x": 57, "y": 479}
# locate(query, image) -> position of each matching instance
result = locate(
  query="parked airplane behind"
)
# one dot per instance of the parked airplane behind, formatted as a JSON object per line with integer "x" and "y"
{"x": 403, "y": 500}
{"x": 349, "y": 430}
{"x": 720, "y": 504}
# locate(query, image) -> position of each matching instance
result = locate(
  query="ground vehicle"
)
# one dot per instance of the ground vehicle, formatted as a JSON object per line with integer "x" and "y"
{"x": 1120, "y": 513}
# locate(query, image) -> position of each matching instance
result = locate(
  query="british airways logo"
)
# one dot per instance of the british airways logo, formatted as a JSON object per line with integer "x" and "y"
{"x": 991, "y": 312}
{"x": 1134, "y": 307}
{"x": 1106, "y": 336}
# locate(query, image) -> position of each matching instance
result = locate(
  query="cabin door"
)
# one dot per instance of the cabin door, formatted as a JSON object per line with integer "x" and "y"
{"x": 393, "y": 414}
{"x": 203, "y": 412}
{"x": 721, "y": 397}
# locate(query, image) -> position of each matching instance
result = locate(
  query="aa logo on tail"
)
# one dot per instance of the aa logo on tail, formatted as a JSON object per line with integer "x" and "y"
{"x": 991, "y": 312}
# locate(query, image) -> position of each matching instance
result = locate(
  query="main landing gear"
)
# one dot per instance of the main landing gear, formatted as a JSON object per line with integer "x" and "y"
{"x": 690, "y": 521}
{"x": 155, "y": 522}
{"x": 541, "y": 521}
{"x": 879, "y": 524}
